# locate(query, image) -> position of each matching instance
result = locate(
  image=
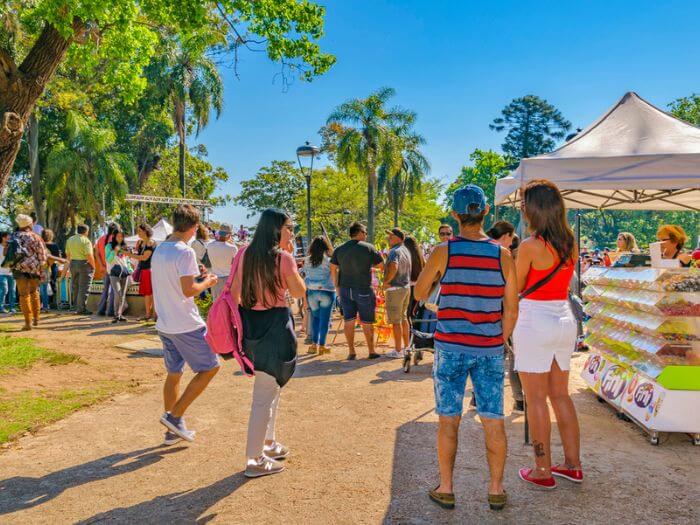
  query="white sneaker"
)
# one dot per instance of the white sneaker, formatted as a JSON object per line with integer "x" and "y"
{"x": 262, "y": 467}
{"x": 394, "y": 354}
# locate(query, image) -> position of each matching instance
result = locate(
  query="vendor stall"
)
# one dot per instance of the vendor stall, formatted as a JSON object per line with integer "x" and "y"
{"x": 644, "y": 338}
{"x": 644, "y": 327}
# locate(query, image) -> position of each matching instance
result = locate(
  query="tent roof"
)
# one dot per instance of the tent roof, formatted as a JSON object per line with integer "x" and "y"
{"x": 160, "y": 232}
{"x": 635, "y": 156}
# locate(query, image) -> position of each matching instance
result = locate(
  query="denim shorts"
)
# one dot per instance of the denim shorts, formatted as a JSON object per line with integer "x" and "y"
{"x": 450, "y": 372}
{"x": 357, "y": 300}
{"x": 190, "y": 348}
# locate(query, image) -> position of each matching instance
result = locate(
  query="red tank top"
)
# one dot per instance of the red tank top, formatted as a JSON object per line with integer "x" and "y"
{"x": 557, "y": 288}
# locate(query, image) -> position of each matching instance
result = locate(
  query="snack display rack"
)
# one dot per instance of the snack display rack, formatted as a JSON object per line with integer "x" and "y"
{"x": 644, "y": 340}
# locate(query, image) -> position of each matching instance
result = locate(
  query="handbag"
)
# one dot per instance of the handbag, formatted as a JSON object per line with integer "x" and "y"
{"x": 575, "y": 302}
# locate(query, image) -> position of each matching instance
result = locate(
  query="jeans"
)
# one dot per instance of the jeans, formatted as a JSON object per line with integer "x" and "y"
{"x": 450, "y": 371}
{"x": 81, "y": 276}
{"x": 106, "y": 306}
{"x": 44, "y": 294}
{"x": 321, "y": 305}
{"x": 7, "y": 288}
{"x": 119, "y": 286}
{"x": 263, "y": 414}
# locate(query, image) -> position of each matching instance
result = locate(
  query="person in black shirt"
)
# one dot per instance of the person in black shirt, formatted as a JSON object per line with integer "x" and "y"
{"x": 351, "y": 270}
{"x": 54, "y": 255}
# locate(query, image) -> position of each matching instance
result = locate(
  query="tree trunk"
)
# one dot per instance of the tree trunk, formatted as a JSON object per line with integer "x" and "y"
{"x": 183, "y": 138}
{"x": 396, "y": 202}
{"x": 34, "y": 168}
{"x": 20, "y": 87}
{"x": 370, "y": 208}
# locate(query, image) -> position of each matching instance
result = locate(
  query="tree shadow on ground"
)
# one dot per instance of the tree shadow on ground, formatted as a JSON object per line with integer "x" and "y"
{"x": 176, "y": 507}
{"x": 20, "y": 493}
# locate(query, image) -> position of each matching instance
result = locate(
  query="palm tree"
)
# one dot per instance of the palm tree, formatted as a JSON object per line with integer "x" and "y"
{"x": 83, "y": 169}
{"x": 403, "y": 174}
{"x": 366, "y": 140}
{"x": 194, "y": 86}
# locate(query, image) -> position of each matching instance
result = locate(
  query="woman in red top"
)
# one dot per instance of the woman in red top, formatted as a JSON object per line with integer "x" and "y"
{"x": 545, "y": 336}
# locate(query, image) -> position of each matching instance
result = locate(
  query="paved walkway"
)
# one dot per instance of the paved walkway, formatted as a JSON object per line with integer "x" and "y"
{"x": 362, "y": 435}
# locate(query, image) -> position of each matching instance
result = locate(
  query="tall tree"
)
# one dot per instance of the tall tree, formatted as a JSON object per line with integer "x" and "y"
{"x": 193, "y": 86}
{"x": 274, "y": 186}
{"x": 403, "y": 176}
{"x": 367, "y": 140}
{"x": 287, "y": 30}
{"x": 532, "y": 126}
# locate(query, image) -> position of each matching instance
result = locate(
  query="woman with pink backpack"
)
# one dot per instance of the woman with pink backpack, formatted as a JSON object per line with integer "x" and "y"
{"x": 263, "y": 274}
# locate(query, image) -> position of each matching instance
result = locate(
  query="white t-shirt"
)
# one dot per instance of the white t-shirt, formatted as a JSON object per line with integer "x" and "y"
{"x": 221, "y": 256}
{"x": 177, "y": 314}
{"x": 3, "y": 271}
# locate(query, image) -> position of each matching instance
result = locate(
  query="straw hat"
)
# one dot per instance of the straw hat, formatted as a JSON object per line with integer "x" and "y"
{"x": 23, "y": 220}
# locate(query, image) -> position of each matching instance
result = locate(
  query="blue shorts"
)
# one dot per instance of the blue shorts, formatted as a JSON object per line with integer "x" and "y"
{"x": 450, "y": 372}
{"x": 190, "y": 348}
{"x": 356, "y": 300}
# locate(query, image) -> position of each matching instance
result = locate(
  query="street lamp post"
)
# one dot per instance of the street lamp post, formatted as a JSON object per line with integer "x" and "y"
{"x": 307, "y": 150}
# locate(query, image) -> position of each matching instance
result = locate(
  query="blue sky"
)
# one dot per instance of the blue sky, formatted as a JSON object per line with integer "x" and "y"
{"x": 457, "y": 64}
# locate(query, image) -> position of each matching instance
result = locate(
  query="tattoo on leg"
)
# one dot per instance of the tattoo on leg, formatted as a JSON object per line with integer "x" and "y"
{"x": 539, "y": 448}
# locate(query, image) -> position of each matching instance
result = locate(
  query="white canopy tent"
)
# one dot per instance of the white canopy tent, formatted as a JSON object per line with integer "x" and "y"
{"x": 160, "y": 232}
{"x": 634, "y": 157}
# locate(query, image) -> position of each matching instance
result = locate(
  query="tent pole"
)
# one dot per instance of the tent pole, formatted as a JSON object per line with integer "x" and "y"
{"x": 578, "y": 244}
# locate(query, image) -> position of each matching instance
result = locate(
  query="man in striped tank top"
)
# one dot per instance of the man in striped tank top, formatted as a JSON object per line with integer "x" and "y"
{"x": 477, "y": 311}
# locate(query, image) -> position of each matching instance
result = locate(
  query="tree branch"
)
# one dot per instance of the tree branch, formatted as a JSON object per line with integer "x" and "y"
{"x": 8, "y": 68}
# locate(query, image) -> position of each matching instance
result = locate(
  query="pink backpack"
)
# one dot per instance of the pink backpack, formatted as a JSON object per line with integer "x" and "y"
{"x": 224, "y": 324}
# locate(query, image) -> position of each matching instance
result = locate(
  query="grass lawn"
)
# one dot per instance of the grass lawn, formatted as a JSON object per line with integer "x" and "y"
{"x": 22, "y": 352}
{"x": 25, "y": 411}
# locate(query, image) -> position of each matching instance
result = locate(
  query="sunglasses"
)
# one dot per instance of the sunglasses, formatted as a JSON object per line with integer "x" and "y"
{"x": 444, "y": 234}
{"x": 663, "y": 240}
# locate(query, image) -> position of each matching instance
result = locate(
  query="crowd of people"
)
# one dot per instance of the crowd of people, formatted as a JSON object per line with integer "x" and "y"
{"x": 502, "y": 304}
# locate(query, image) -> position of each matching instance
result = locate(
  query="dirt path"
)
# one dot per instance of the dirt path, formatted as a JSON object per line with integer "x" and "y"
{"x": 363, "y": 437}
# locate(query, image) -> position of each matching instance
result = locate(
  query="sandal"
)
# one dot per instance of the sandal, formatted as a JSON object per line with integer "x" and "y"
{"x": 498, "y": 501}
{"x": 445, "y": 499}
{"x": 351, "y": 357}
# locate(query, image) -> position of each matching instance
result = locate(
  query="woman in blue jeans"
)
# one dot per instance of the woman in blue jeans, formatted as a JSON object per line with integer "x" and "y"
{"x": 320, "y": 293}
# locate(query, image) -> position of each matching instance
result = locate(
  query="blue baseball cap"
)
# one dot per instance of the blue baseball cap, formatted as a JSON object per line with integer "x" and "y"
{"x": 469, "y": 199}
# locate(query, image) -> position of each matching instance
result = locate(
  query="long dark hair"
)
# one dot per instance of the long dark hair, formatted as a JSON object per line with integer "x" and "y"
{"x": 317, "y": 250}
{"x": 546, "y": 213}
{"x": 417, "y": 258}
{"x": 260, "y": 273}
{"x": 113, "y": 242}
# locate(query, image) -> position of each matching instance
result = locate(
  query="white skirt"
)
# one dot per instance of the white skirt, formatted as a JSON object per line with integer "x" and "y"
{"x": 546, "y": 330}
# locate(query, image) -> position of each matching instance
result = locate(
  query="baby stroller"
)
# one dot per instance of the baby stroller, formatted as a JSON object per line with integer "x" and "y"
{"x": 423, "y": 323}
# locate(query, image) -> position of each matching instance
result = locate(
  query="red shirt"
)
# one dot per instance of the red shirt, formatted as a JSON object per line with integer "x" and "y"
{"x": 557, "y": 289}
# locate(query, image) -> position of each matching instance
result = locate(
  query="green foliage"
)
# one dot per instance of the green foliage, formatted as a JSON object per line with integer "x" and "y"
{"x": 367, "y": 139}
{"x": 687, "y": 108}
{"x": 86, "y": 168}
{"x": 600, "y": 229}
{"x": 274, "y": 186}
{"x": 203, "y": 305}
{"x": 532, "y": 125}
{"x": 22, "y": 352}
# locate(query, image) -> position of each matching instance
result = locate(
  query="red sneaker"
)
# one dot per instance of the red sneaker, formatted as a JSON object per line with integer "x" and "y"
{"x": 544, "y": 483}
{"x": 575, "y": 475}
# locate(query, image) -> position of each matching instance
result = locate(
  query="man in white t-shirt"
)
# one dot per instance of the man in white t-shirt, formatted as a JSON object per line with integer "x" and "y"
{"x": 221, "y": 253}
{"x": 176, "y": 282}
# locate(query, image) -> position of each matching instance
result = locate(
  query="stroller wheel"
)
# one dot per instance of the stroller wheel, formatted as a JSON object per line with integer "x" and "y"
{"x": 407, "y": 363}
